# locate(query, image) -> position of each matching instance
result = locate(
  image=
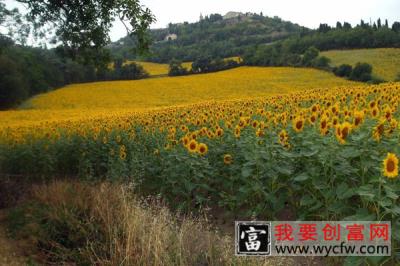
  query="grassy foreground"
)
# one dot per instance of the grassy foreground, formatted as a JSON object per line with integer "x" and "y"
{"x": 77, "y": 223}
{"x": 385, "y": 61}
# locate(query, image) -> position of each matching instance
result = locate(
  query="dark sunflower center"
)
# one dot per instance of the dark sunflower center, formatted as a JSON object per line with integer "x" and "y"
{"x": 390, "y": 166}
{"x": 381, "y": 128}
{"x": 299, "y": 124}
{"x": 345, "y": 132}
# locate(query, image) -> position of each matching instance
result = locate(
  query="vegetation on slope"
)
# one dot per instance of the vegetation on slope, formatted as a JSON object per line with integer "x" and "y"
{"x": 213, "y": 36}
{"x": 385, "y": 61}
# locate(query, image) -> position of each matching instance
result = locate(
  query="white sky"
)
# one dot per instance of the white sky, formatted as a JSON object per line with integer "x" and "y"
{"x": 309, "y": 13}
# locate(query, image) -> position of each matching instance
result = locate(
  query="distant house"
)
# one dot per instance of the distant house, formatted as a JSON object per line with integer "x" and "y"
{"x": 232, "y": 14}
{"x": 171, "y": 37}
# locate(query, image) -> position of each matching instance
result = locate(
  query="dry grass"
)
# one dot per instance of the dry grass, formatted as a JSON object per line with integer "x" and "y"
{"x": 104, "y": 225}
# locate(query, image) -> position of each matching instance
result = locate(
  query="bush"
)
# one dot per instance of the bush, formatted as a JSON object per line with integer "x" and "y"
{"x": 206, "y": 65}
{"x": 129, "y": 71}
{"x": 343, "y": 70}
{"x": 310, "y": 54}
{"x": 321, "y": 62}
{"x": 176, "y": 69}
{"x": 362, "y": 72}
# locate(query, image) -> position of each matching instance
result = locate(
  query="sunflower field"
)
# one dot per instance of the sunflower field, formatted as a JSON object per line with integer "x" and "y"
{"x": 323, "y": 154}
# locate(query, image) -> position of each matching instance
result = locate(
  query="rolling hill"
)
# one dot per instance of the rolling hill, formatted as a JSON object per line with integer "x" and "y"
{"x": 93, "y": 100}
{"x": 243, "y": 82}
{"x": 385, "y": 61}
{"x": 214, "y": 35}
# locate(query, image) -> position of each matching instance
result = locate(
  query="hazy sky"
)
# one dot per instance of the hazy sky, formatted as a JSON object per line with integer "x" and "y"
{"x": 307, "y": 13}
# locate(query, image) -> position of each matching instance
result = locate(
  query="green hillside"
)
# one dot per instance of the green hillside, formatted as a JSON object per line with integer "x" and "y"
{"x": 214, "y": 35}
{"x": 385, "y": 61}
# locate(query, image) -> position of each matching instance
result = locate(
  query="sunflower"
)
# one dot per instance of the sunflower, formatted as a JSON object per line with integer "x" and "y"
{"x": 298, "y": 124}
{"x": 219, "y": 132}
{"x": 284, "y": 138}
{"x": 358, "y": 118}
{"x": 391, "y": 166}
{"x": 388, "y": 113}
{"x": 379, "y": 130}
{"x": 237, "y": 131}
{"x": 335, "y": 120}
{"x": 375, "y": 112}
{"x": 185, "y": 140}
{"x": 228, "y": 159}
{"x": 314, "y": 108}
{"x": 210, "y": 134}
{"x": 184, "y": 128}
{"x": 122, "y": 154}
{"x": 260, "y": 133}
{"x": 343, "y": 131}
{"x": 283, "y": 135}
{"x": 393, "y": 125}
{"x": 313, "y": 118}
{"x": 372, "y": 104}
{"x": 192, "y": 146}
{"x": 324, "y": 125}
{"x": 202, "y": 148}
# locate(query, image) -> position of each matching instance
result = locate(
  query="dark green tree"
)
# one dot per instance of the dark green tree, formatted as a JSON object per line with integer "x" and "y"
{"x": 321, "y": 62}
{"x": 362, "y": 72}
{"x": 396, "y": 27}
{"x": 176, "y": 69}
{"x": 310, "y": 54}
{"x": 13, "y": 88}
{"x": 202, "y": 65}
{"x": 83, "y": 26}
{"x": 343, "y": 70}
{"x": 131, "y": 71}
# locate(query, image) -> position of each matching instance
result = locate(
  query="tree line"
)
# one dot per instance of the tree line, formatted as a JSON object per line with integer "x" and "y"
{"x": 27, "y": 71}
{"x": 202, "y": 65}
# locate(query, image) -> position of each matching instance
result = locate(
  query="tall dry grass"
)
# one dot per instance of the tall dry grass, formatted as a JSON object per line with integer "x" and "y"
{"x": 103, "y": 224}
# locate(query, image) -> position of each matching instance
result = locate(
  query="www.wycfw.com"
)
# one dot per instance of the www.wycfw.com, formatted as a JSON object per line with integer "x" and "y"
{"x": 333, "y": 250}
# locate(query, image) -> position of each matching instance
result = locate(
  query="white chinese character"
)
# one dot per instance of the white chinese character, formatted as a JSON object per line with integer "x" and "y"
{"x": 252, "y": 244}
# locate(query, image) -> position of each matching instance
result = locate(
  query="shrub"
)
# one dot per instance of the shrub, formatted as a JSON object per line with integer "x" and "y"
{"x": 362, "y": 72}
{"x": 321, "y": 62}
{"x": 176, "y": 69}
{"x": 130, "y": 71}
{"x": 310, "y": 54}
{"x": 343, "y": 70}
